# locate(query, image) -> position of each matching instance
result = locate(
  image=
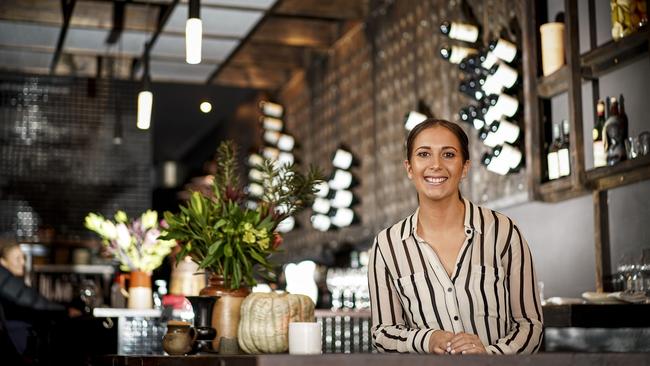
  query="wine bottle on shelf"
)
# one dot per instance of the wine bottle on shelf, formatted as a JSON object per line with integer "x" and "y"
{"x": 553, "y": 163}
{"x": 487, "y": 59}
{"x": 472, "y": 65}
{"x": 506, "y": 131}
{"x": 494, "y": 164}
{"x": 472, "y": 88}
{"x": 503, "y": 49}
{"x": 455, "y": 54}
{"x": 621, "y": 113}
{"x": 509, "y": 155}
{"x": 563, "y": 155}
{"x": 488, "y": 136}
{"x": 460, "y": 31}
{"x": 502, "y": 74}
{"x": 600, "y": 158}
{"x": 613, "y": 135}
{"x": 500, "y": 105}
{"x": 476, "y": 114}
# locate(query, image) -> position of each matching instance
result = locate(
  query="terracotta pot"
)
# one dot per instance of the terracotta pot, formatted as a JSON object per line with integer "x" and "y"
{"x": 225, "y": 316}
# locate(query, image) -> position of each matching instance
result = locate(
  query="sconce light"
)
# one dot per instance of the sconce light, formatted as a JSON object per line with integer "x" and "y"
{"x": 145, "y": 99}
{"x": 193, "y": 33}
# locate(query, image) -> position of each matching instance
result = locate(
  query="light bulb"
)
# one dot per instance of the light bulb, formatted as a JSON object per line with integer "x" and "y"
{"x": 145, "y": 103}
{"x": 205, "y": 107}
{"x": 193, "y": 35}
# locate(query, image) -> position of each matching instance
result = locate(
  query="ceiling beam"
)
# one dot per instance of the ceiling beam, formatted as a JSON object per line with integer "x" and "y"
{"x": 253, "y": 77}
{"x": 225, "y": 63}
{"x": 164, "y": 15}
{"x": 67, "y": 6}
{"x": 297, "y": 32}
{"x": 118, "y": 22}
{"x": 332, "y": 9}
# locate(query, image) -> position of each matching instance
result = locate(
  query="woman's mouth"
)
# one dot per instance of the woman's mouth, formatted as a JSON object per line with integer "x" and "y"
{"x": 435, "y": 180}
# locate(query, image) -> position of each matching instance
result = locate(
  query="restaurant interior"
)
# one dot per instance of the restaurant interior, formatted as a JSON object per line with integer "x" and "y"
{"x": 118, "y": 114}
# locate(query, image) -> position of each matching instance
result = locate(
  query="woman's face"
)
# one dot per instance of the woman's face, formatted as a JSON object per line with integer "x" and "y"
{"x": 436, "y": 164}
{"x": 14, "y": 261}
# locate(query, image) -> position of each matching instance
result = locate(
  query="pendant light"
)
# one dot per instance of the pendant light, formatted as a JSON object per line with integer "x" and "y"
{"x": 193, "y": 33}
{"x": 145, "y": 98}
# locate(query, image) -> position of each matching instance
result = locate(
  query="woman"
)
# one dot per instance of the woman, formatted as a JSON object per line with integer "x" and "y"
{"x": 453, "y": 277}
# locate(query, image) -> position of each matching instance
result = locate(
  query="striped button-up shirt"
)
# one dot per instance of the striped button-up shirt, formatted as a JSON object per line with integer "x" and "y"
{"x": 492, "y": 292}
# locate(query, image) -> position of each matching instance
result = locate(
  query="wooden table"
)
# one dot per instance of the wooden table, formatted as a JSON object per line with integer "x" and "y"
{"x": 359, "y": 359}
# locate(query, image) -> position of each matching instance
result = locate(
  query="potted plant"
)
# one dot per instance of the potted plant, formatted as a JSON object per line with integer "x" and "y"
{"x": 231, "y": 235}
{"x": 138, "y": 247}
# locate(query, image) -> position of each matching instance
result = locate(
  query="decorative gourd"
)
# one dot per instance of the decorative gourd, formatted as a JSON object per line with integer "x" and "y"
{"x": 265, "y": 318}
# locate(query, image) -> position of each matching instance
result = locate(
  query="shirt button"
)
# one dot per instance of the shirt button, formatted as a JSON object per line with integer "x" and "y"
{"x": 455, "y": 317}
{"x": 468, "y": 231}
{"x": 450, "y": 289}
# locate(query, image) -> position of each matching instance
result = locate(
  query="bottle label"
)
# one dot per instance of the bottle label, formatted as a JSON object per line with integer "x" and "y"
{"x": 505, "y": 50}
{"x": 507, "y": 105}
{"x": 492, "y": 85}
{"x": 492, "y": 140}
{"x": 458, "y": 53}
{"x": 508, "y": 131}
{"x": 463, "y": 32}
{"x": 563, "y": 161}
{"x": 493, "y": 114}
{"x": 506, "y": 75}
{"x": 553, "y": 165}
{"x": 490, "y": 60}
{"x": 600, "y": 157}
{"x": 512, "y": 155}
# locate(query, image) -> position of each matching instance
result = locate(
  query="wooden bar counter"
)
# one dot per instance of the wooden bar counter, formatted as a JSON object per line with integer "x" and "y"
{"x": 359, "y": 359}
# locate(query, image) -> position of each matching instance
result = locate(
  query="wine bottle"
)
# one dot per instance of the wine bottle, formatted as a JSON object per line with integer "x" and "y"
{"x": 472, "y": 88}
{"x": 613, "y": 135}
{"x": 476, "y": 114}
{"x": 503, "y": 49}
{"x": 487, "y": 59}
{"x": 460, "y": 31}
{"x": 494, "y": 164}
{"x": 500, "y": 105}
{"x": 503, "y": 74}
{"x": 553, "y": 163}
{"x": 621, "y": 113}
{"x": 564, "y": 158}
{"x": 597, "y": 134}
{"x": 509, "y": 155}
{"x": 472, "y": 65}
{"x": 506, "y": 131}
{"x": 488, "y": 136}
{"x": 272, "y": 109}
{"x": 455, "y": 54}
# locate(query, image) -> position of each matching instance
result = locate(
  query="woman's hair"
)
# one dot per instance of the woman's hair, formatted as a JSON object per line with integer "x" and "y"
{"x": 433, "y": 122}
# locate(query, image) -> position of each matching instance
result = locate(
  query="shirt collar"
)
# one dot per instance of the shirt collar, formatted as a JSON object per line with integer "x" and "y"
{"x": 470, "y": 215}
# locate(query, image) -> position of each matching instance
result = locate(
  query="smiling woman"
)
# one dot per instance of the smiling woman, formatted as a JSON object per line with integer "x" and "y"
{"x": 453, "y": 277}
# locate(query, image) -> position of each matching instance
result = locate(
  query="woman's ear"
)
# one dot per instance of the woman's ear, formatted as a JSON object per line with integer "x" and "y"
{"x": 466, "y": 167}
{"x": 409, "y": 171}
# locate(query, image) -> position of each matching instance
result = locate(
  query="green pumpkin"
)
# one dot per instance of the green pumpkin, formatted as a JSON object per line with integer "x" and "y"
{"x": 265, "y": 318}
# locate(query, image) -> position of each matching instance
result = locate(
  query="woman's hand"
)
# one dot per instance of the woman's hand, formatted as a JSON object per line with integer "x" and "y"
{"x": 465, "y": 343}
{"x": 439, "y": 341}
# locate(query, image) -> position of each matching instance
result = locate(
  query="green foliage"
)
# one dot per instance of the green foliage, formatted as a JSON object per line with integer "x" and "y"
{"x": 224, "y": 236}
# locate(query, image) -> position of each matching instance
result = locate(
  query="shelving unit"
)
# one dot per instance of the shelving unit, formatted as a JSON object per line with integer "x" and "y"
{"x": 589, "y": 66}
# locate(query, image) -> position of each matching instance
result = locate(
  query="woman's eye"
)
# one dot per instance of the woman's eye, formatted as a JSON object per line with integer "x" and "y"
{"x": 423, "y": 154}
{"x": 448, "y": 154}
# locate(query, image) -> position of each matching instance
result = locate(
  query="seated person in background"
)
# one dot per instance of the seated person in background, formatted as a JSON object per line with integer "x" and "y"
{"x": 21, "y": 306}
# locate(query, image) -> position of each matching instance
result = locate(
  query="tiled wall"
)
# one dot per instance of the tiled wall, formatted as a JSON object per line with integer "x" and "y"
{"x": 58, "y": 159}
{"x": 358, "y": 95}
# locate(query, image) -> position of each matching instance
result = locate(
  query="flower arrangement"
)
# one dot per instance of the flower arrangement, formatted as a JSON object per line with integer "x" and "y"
{"x": 224, "y": 233}
{"x": 137, "y": 245}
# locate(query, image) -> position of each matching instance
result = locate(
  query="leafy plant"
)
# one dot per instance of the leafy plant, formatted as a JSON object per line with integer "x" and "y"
{"x": 223, "y": 233}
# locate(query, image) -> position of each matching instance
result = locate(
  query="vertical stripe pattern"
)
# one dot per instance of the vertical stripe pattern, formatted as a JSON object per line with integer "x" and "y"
{"x": 492, "y": 292}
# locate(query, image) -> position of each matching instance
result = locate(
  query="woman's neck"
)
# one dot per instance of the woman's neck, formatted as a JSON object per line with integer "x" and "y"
{"x": 441, "y": 216}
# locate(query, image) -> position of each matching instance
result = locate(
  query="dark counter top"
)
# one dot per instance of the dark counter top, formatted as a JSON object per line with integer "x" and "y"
{"x": 597, "y": 316}
{"x": 358, "y": 359}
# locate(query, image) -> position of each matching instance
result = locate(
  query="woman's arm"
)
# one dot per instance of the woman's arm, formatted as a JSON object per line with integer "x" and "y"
{"x": 13, "y": 290}
{"x": 389, "y": 330}
{"x": 526, "y": 329}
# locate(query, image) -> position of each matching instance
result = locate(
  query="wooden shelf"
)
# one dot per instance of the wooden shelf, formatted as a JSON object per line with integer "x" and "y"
{"x": 554, "y": 84}
{"x": 624, "y": 173}
{"x": 614, "y": 54}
